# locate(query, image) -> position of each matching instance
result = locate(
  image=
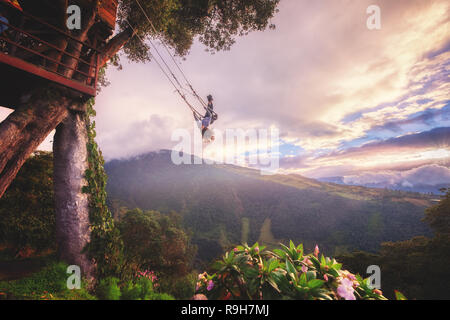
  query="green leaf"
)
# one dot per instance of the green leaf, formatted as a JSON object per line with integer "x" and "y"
{"x": 315, "y": 262}
{"x": 324, "y": 296}
{"x": 310, "y": 275}
{"x": 315, "y": 283}
{"x": 290, "y": 267}
{"x": 399, "y": 295}
{"x": 273, "y": 263}
{"x": 273, "y": 284}
{"x": 280, "y": 253}
{"x": 286, "y": 249}
{"x": 291, "y": 245}
{"x": 333, "y": 272}
{"x": 300, "y": 249}
{"x": 303, "y": 281}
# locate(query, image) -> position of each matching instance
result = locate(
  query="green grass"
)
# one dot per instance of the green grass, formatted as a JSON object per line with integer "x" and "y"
{"x": 47, "y": 284}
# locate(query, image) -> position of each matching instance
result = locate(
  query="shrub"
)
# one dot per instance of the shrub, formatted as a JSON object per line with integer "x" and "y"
{"x": 286, "y": 273}
{"x": 141, "y": 288}
{"x": 160, "y": 296}
{"x": 108, "y": 289}
{"x": 131, "y": 291}
{"x": 27, "y": 208}
{"x": 180, "y": 287}
{"x": 48, "y": 284}
{"x": 157, "y": 240}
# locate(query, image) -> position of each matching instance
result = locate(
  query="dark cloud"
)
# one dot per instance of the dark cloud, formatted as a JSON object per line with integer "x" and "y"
{"x": 435, "y": 138}
{"x": 428, "y": 117}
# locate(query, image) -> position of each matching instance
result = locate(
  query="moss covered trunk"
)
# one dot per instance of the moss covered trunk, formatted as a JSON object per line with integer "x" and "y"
{"x": 71, "y": 204}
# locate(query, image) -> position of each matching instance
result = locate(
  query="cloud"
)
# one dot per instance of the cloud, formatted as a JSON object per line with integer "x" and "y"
{"x": 320, "y": 65}
{"x": 427, "y": 118}
{"x": 430, "y": 175}
{"x": 400, "y": 153}
{"x": 135, "y": 138}
{"x": 438, "y": 138}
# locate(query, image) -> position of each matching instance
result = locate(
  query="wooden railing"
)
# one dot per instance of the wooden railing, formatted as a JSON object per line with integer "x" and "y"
{"x": 35, "y": 50}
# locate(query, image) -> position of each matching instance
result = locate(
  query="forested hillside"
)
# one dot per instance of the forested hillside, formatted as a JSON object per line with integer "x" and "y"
{"x": 223, "y": 205}
{"x": 158, "y": 241}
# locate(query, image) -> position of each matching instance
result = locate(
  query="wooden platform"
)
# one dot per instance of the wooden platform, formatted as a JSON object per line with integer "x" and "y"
{"x": 41, "y": 72}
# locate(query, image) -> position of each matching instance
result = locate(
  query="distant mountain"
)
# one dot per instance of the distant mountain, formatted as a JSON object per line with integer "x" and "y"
{"x": 223, "y": 205}
{"x": 422, "y": 188}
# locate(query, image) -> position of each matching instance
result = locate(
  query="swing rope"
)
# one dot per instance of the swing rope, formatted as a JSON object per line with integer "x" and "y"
{"x": 177, "y": 89}
{"x": 203, "y": 103}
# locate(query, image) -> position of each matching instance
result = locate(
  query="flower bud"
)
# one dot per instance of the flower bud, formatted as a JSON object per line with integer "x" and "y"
{"x": 316, "y": 251}
{"x": 379, "y": 292}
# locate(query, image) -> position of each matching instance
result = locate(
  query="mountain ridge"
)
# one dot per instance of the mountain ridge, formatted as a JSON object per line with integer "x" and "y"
{"x": 224, "y": 204}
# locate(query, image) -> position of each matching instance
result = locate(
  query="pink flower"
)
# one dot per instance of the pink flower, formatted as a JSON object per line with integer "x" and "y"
{"x": 210, "y": 285}
{"x": 351, "y": 277}
{"x": 316, "y": 251}
{"x": 304, "y": 269}
{"x": 379, "y": 292}
{"x": 325, "y": 277}
{"x": 345, "y": 289}
{"x": 257, "y": 249}
{"x": 235, "y": 249}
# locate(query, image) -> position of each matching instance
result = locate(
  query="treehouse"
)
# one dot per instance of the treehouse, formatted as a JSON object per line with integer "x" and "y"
{"x": 37, "y": 47}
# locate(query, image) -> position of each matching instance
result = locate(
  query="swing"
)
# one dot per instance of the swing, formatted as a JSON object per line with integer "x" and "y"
{"x": 175, "y": 82}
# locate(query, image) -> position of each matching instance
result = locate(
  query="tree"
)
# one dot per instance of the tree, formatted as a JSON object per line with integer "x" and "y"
{"x": 42, "y": 107}
{"x": 438, "y": 216}
{"x": 417, "y": 267}
{"x": 27, "y": 208}
{"x": 157, "y": 242}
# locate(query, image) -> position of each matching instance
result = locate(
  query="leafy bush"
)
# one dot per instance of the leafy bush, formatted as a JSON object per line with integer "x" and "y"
{"x": 48, "y": 284}
{"x": 157, "y": 241}
{"x": 160, "y": 296}
{"x": 286, "y": 273}
{"x": 108, "y": 289}
{"x": 419, "y": 258}
{"x": 27, "y": 207}
{"x": 182, "y": 288}
{"x": 142, "y": 288}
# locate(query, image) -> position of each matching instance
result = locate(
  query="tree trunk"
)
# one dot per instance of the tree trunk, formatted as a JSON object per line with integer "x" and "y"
{"x": 71, "y": 205}
{"x": 25, "y": 129}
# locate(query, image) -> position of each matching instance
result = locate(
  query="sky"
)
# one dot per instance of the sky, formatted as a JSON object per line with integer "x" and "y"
{"x": 365, "y": 105}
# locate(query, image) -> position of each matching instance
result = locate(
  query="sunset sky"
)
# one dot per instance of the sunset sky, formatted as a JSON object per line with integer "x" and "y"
{"x": 366, "y": 105}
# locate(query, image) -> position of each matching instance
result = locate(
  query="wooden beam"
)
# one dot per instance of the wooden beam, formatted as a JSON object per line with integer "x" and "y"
{"x": 51, "y": 76}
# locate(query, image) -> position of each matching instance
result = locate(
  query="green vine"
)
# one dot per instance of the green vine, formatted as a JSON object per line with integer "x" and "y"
{"x": 105, "y": 246}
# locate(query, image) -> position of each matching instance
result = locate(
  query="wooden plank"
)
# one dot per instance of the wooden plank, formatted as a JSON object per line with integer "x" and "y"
{"x": 108, "y": 12}
{"x": 40, "y": 72}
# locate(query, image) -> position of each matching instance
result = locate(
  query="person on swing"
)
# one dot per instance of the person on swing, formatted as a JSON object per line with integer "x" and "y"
{"x": 207, "y": 120}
